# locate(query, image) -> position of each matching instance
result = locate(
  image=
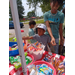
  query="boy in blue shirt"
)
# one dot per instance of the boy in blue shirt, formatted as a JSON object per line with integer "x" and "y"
{"x": 31, "y": 32}
{"x": 54, "y": 20}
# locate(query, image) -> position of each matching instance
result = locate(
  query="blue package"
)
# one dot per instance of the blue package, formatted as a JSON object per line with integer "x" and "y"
{"x": 51, "y": 71}
{"x": 46, "y": 72}
{"x": 45, "y": 59}
{"x": 64, "y": 63}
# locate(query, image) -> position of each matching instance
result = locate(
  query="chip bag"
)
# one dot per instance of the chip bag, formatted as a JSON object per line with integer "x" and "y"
{"x": 14, "y": 59}
{"x": 17, "y": 65}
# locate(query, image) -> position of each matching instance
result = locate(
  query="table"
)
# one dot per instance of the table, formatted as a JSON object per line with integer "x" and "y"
{"x": 13, "y": 71}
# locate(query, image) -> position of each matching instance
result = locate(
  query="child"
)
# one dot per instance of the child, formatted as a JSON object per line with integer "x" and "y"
{"x": 54, "y": 20}
{"x": 40, "y": 37}
{"x": 31, "y": 32}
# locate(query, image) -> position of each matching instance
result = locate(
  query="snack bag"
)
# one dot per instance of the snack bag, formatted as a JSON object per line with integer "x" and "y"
{"x": 31, "y": 48}
{"x": 25, "y": 46}
{"x": 13, "y": 48}
{"x": 14, "y": 59}
{"x": 38, "y": 49}
{"x": 44, "y": 69}
{"x": 32, "y": 69}
{"x": 55, "y": 62}
{"x": 38, "y": 45}
{"x": 25, "y": 53}
{"x": 17, "y": 65}
{"x": 9, "y": 48}
{"x": 28, "y": 60}
{"x": 14, "y": 45}
{"x": 14, "y": 39}
{"x": 17, "y": 59}
{"x": 11, "y": 59}
{"x": 61, "y": 68}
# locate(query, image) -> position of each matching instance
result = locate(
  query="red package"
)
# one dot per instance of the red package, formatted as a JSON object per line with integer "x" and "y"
{"x": 38, "y": 49}
{"x": 9, "y": 48}
{"x": 31, "y": 48}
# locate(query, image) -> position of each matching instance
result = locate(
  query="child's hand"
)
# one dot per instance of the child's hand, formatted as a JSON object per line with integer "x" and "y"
{"x": 23, "y": 38}
{"x": 53, "y": 41}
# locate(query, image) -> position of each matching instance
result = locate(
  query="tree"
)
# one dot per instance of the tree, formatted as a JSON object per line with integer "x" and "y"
{"x": 44, "y": 4}
{"x": 10, "y": 15}
{"x": 31, "y": 14}
{"x": 20, "y": 9}
{"x": 33, "y": 3}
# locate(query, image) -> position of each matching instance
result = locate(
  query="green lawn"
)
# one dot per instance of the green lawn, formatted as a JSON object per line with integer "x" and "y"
{"x": 11, "y": 39}
{"x": 39, "y": 21}
{"x": 10, "y": 34}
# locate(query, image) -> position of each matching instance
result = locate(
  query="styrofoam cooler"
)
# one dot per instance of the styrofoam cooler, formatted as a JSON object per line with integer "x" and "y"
{"x": 37, "y": 54}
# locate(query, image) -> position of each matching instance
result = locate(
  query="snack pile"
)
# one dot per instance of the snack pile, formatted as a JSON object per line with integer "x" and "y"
{"x": 58, "y": 64}
{"x": 17, "y": 62}
{"x": 41, "y": 69}
{"x": 35, "y": 47}
{"x": 48, "y": 57}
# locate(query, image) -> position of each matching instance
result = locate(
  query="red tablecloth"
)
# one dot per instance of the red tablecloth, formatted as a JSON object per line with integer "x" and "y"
{"x": 13, "y": 71}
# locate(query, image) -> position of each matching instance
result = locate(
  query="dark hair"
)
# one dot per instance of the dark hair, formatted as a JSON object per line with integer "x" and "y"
{"x": 32, "y": 23}
{"x": 59, "y": 1}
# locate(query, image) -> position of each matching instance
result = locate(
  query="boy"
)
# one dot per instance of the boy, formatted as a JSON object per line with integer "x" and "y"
{"x": 31, "y": 32}
{"x": 40, "y": 37}
{"x": 54, "y": 20}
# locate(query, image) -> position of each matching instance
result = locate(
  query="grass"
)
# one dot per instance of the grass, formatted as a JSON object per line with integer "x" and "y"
{"x": 11, "y": 39}
{"x": 37, "y": 21}
{"x": 40, "y": 21}
{"x": 10, "y": 34}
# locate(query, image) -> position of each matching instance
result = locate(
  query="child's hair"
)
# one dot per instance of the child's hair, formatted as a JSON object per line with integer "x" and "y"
{"x": 59, "y": 1}
{"x": 32, "y": 23}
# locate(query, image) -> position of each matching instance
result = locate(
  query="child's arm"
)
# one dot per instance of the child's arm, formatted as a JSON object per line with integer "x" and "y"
{"x": 61, "y": 34}
{"x": 27, "y": 38}
{"x": 50, "y": 33}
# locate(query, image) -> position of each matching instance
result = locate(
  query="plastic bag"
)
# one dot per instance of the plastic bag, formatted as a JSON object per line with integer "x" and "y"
{"x": 14, "y": 59}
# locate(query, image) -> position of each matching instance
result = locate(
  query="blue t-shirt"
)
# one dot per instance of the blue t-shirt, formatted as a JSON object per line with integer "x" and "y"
{"x": 31, "y": 33}
{"x": 54, "y": 21}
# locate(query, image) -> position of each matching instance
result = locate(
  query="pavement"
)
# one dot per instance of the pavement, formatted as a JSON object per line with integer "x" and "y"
{"x": 25, "y": 28}
{"x": 25, "y": 33}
